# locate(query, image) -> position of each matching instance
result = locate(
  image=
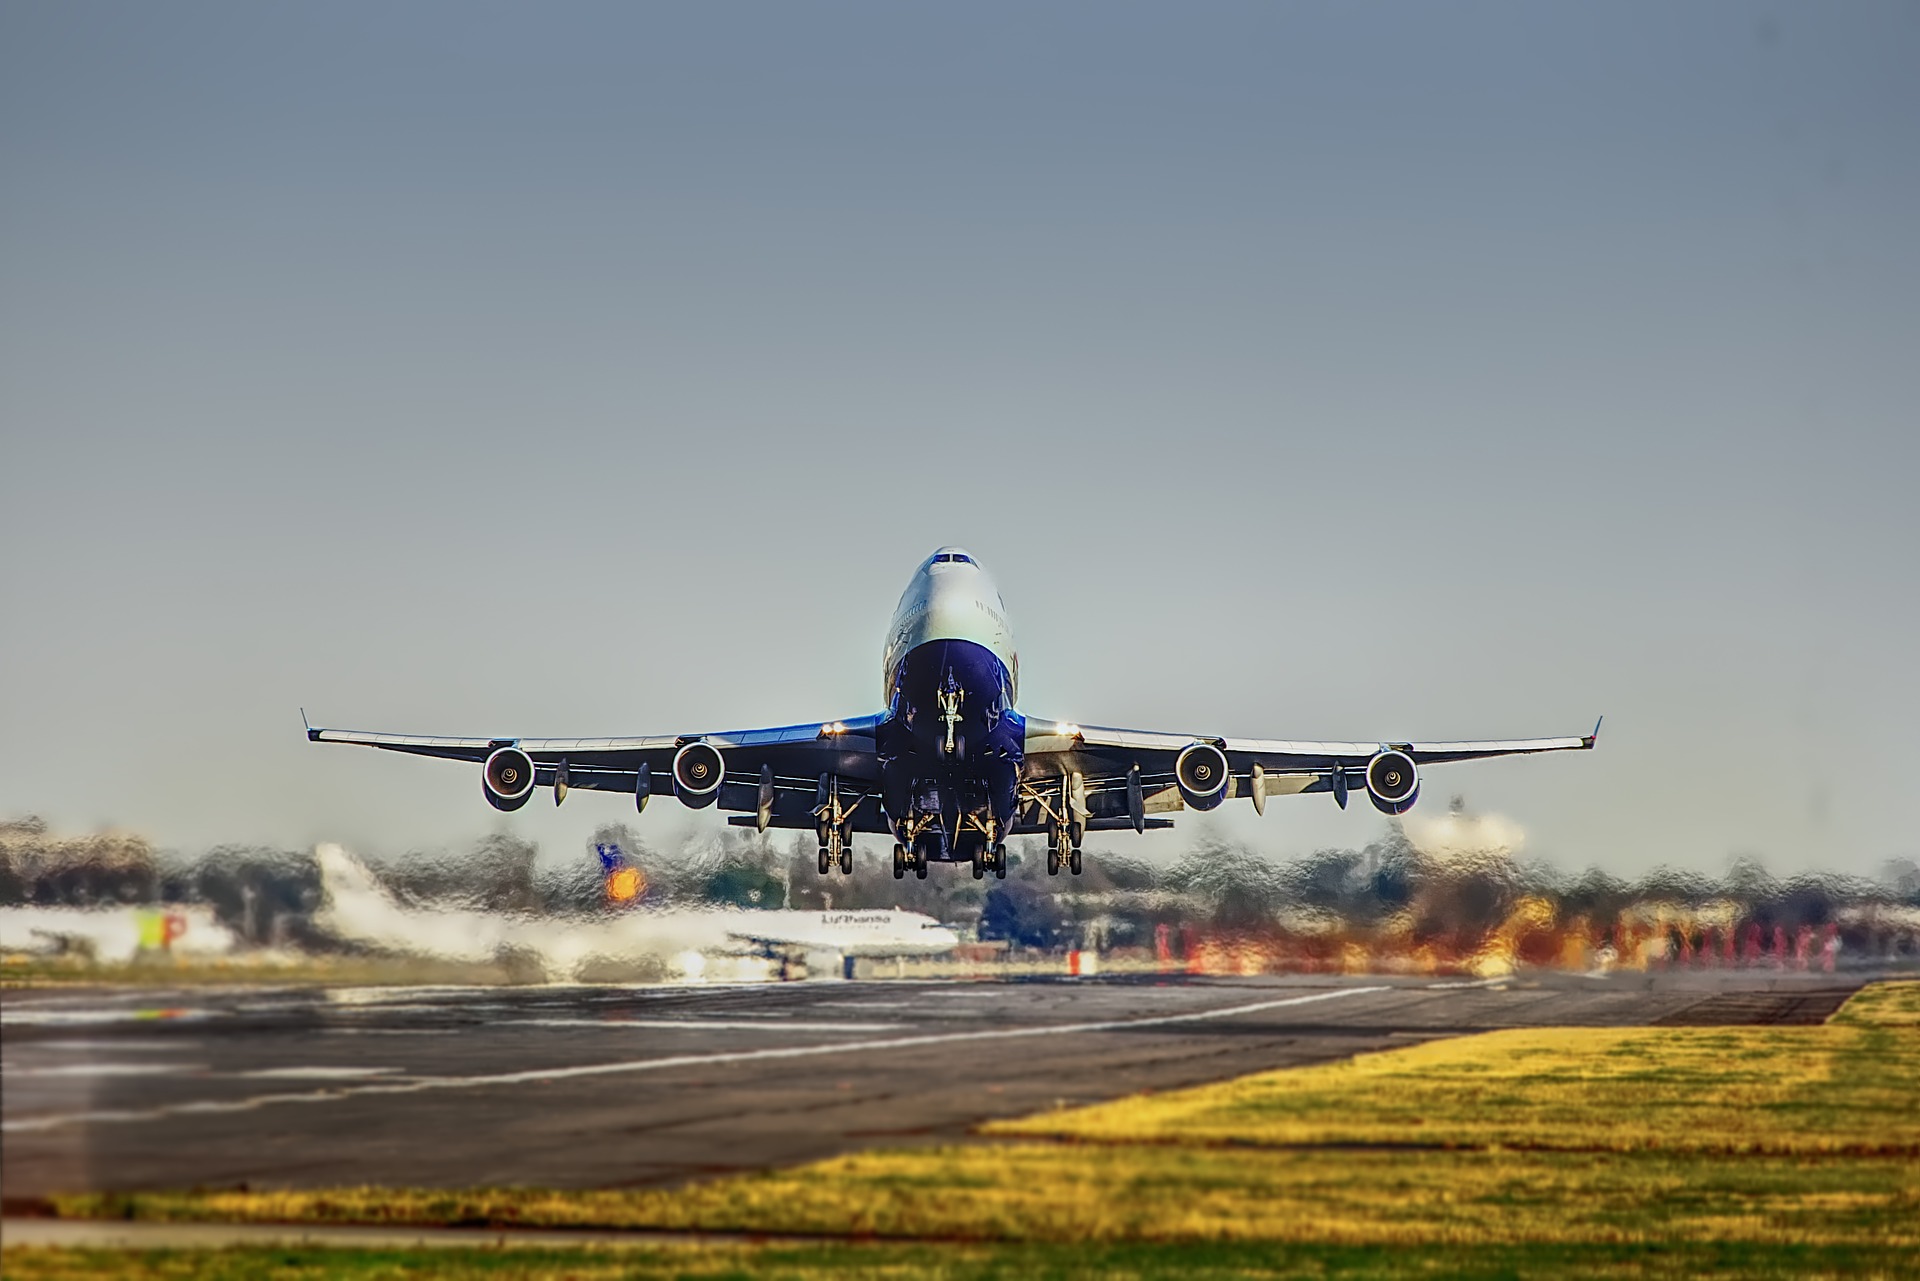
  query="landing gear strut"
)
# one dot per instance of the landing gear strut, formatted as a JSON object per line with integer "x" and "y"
{"x": 1072, "y": 834}
{"x": 994, "y": 858}
{"x": 904, "y": 858}
{"x": 835, "y": 825}
{"x": 836, "y": 848}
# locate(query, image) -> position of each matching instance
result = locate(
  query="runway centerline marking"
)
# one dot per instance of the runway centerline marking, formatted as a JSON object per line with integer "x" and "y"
{"x": 547, "y": 1075}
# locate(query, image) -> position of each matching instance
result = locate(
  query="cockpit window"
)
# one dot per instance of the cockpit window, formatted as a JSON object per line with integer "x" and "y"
{"x": 957, "y": 557}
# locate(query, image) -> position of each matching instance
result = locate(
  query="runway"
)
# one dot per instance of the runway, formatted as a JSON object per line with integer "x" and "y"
{"x": 618, "y": 1086}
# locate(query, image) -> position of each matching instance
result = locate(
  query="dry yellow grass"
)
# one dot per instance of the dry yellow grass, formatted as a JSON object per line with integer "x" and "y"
{"x": 1846, "y": 1086}
{"x": 1039, "y": 1192}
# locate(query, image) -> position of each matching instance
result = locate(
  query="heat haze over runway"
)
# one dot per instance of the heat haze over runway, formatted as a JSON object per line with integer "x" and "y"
{"x": 612, "y": 1086}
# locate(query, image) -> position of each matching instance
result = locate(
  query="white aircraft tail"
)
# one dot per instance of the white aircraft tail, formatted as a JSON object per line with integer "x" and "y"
{"x": 345, "y": 880}
{"x": 356, "y": 906}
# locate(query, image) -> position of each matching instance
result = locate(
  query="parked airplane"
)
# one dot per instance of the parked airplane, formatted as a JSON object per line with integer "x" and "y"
{"x": 356, "y": 908}
{"x": 950, "y": 769}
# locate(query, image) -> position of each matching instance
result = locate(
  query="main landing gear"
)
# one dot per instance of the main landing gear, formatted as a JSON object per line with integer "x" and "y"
{"x": 904, "y": 858}
{"x": 1073, "y": 833}
{"x": 836, "y": 848}
{"x": 995, "y": 858}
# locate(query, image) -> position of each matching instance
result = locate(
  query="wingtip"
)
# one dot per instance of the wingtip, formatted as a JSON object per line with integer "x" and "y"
{"x": 313, "y": 735}
{"x": 1594, "y": 737}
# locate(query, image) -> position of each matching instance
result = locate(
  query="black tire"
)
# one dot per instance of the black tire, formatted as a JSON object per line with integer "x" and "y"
{"x": 1074, "y": 862}
{"x": 920, "y": 867}
{"x": 846, "y": 860}
{"x": 1053, "y": 860}
{"x": 825, "y": 861}
{"x": 979, "y": 868}
{"x": 899, "y": 862}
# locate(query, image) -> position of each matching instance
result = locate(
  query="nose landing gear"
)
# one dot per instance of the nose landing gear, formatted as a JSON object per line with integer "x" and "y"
{"x": 949, "y": 699}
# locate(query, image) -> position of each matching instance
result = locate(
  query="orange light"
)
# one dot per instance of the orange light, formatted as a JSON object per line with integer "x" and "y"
{"x": 625, "y": 885}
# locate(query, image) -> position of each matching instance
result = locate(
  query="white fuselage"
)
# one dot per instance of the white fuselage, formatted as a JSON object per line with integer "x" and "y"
{"x": 949, "y": 599}
{"x": 359, "y": 909}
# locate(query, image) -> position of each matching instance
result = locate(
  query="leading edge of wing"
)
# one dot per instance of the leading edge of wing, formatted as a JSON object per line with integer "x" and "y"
{"x": 1065, "y": 736}
{"x": 427, "y": 744}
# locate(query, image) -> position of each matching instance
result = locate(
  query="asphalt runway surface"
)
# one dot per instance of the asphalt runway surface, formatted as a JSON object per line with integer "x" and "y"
{"x": 268, "y": 1087}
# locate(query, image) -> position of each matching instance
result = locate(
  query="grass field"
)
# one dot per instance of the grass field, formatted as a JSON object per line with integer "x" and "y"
{"x": 1741, "y": 1151}
{"x": 893, "y": 1262}
{"x": 1845, "y": 1087}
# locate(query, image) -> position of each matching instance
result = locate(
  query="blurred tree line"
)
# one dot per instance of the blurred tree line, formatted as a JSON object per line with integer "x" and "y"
{"x": 268, "y": 895}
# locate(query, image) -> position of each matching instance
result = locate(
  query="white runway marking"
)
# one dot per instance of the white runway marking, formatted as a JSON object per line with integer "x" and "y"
{"x": 85, "y": 1018}
{"x": 105, "y": 1069}
{"x": 126, "y": 1046}
{"x": 542, "y": 1075}
{"x": 724, "y": 1025}
{"x": 317, "y": 1073}
{"x": 864, "y": 1005}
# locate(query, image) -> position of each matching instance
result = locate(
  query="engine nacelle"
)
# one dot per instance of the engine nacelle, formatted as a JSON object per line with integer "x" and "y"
{"x": 697, "y": 770}
{"x": 1393, "y": 782}
{"x": 507, "y": 778}
{"x": 1203, "y": 775}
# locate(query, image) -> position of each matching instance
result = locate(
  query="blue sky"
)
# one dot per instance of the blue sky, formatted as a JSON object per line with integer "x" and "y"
{"x": 1301, "y": 370}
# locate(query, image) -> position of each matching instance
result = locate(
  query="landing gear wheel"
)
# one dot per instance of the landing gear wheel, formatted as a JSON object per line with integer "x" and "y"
{"x": 846, "y": 858}
{"x": 1074, "y": 861}
{"x": 979, "y": 864}
{"x": 1053, "y": 860}
{"x": 999, "y": 862}
{"x": 899, "y": 862}
{"x": 920, "y": 866}
{"x": 826, "y": 860}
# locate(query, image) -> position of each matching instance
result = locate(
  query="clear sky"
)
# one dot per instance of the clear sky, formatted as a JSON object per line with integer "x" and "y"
{"x": 1343, "y": 370}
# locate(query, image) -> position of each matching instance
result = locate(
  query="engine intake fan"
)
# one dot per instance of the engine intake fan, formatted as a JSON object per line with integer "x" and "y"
{"x": 1203, "y": 775}
{"x": 1393, "y": 782}
{"x": 698, "y": 769}
{"x": 507, "y": 778}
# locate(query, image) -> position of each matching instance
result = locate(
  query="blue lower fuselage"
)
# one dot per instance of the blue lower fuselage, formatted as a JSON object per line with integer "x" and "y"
{"x": 950, "y": 748}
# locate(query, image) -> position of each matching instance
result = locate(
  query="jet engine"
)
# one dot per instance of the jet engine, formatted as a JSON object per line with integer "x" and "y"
{"x": 1393, "y": 782}
{"x": 507, "y": 778}
{"x": 1203, "y": 775}
{"x": 697, "y": 771}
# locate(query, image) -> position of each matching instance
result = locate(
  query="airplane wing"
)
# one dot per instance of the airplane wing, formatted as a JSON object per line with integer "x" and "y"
{"x": 776, "y": 777}
{"x": 930, "y": 942}
{"x": 1117, "y": 778}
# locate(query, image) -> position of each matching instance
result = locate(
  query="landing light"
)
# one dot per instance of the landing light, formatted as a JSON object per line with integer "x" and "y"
{"x": 833, "y": 727}
{"x": 1069, "y": 730}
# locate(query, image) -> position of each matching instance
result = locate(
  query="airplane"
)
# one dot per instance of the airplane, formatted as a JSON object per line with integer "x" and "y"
{"x": 357, "y": 908}
{"x": 949, "y": 768}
